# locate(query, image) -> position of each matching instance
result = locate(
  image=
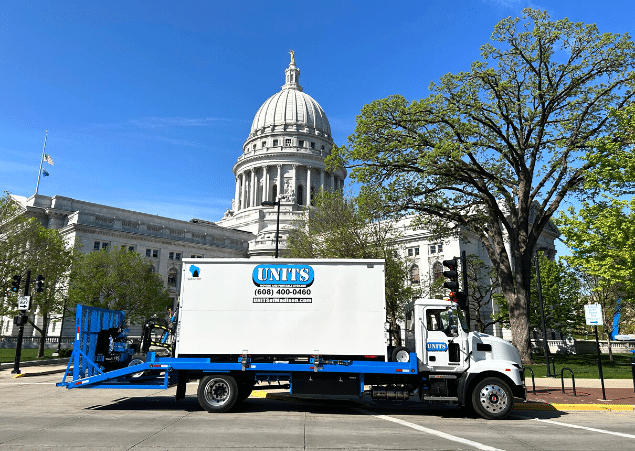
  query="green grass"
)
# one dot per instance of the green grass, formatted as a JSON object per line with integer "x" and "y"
{"x": 584, "y": 366}
{"x": 8, "y": 355}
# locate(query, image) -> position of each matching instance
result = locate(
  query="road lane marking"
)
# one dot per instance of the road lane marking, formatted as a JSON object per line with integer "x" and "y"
{"x": 603, "y": 431}
{"x": 433, "y": 432}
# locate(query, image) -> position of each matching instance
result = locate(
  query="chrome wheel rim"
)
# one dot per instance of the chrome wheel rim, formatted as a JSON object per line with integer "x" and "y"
{"x": 402, "y": 356}
{"x": 217, "y": 392}
{"x": 493, "y": 398}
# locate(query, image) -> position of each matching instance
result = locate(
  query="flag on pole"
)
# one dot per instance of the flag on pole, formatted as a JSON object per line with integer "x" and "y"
{"x": 48, "y": 159}
{"x": 44, "y": 173}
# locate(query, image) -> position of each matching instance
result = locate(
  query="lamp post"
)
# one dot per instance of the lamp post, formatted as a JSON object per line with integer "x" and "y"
{"x": 269, "y": 203}
{"x": 542, "y": 315}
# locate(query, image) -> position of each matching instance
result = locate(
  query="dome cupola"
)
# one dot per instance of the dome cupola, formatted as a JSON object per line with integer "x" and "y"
{"x": 291, "y": 110}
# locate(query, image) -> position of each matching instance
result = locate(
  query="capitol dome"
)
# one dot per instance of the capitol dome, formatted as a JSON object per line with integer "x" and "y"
{"x": 282, "y": 163}
{"x": 291, "y": 107}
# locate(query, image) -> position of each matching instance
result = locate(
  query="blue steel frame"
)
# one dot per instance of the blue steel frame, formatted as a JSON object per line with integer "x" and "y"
{"x": 87, "y": 374}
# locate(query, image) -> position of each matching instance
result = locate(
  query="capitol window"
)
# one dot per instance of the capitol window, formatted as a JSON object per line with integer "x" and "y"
{"x": 275, "y": 143}
{"x": 264, "y": 144}
{"x": 312, "y": 144}
{"x": 154, "y": 253}
{"x": 287, "y": 142}
{"x": 301, "y": 143}
{"x": 253, "y": 147}
{"x": 413, "y": 251}
{"x": 103, "y": 244}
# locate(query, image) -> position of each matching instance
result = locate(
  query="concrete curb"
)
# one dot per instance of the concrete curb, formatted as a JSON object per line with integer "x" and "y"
{"x": 573, "y": 407}
{"x": 517, "y": 406}
{"x": 45, "y": 362}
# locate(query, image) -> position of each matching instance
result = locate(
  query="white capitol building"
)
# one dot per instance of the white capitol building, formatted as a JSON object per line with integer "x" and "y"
{"x": 282, "y": 158}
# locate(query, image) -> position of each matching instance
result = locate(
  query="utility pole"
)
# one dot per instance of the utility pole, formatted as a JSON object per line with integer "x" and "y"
{"x": 21, "y": 321}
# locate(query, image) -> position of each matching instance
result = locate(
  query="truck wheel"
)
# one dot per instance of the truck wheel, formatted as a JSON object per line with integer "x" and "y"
{"x": 136, "y": 360}
{"x": 492, "y": 399}
{"x": 400, "y": 354}
{"x": 217, "y": 393}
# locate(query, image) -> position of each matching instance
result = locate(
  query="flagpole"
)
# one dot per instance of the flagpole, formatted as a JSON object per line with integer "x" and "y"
{"x": 37, "y": 187}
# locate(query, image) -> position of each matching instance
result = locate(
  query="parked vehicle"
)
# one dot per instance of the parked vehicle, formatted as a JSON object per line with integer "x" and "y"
{"x": 318, "y": 324}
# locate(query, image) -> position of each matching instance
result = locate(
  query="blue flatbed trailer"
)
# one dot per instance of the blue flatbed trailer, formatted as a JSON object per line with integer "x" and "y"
{"x": 86, "y": 367}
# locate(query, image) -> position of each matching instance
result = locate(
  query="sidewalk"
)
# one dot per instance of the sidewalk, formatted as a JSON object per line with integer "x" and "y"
{"x": 620, "y": 394}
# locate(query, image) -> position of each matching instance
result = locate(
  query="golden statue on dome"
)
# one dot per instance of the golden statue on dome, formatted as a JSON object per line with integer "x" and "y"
{"x": 292, "y": 57}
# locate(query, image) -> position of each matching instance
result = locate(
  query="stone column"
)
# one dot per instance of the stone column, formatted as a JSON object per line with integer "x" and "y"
{"x": 243, "y": 191}
{"x": 237, "y": 195}
{"x": 252, "y": 195}
{"x": 332, "y": 182}
{"x": 265, "y": 183}
{"x": 294, "y": 180}
{"x": 308, "y": 185}
{"x": 322, "y": 179}
{"x": 279, "y": 182}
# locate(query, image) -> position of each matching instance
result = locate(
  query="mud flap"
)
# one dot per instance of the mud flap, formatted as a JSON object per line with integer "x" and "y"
{"x": 180, "y": 385}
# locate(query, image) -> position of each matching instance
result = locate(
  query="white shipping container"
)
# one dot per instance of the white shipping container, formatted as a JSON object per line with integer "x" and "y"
{"x": 282, "y": 307}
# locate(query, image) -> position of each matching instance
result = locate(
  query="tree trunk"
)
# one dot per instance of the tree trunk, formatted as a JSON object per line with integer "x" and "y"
{"x": 608, "y": 343}
{"x": 45, "y": 321}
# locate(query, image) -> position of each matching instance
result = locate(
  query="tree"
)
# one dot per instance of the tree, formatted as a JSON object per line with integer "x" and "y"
{"x": 14, "y": 228}
{"x": 482, "y": 286}
{"x": 120, "y": 280}
{"x": 26, "y": 245}
{"x": 48, "y": 255}
{"x": 602, "y": 239}
{"x": 495, "y": 150}
{"x": 562, "y": 296}
{"x": 339, "y": 227}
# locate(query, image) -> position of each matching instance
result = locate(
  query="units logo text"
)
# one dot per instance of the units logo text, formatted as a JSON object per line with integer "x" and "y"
{"x": 283, "y": 275}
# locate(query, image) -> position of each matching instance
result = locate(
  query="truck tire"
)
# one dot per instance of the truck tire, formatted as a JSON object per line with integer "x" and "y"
{"x": 492, "y": 399}
{"x": 400, "y": 354}
{"x": 217, "y": 393}
{"x": 136, "y": 360}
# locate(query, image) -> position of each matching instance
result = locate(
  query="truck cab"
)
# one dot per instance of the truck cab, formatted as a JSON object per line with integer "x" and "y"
{"x": 458, "y": 364}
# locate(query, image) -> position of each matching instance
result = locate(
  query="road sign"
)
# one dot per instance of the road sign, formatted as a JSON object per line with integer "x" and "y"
{"x": 24, "y": 302}
{"x": 593, "y": 314}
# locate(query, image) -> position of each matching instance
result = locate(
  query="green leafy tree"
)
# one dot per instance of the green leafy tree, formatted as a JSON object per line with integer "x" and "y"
{"x": 14, "y": 230}
{"x": 602, "y": 239}
{"x": 48, "y": 255}
{"x": 495, "y": 150}
{"x": 120, "y": 280}
{"x": 26, "y": 245}
{"x": 562, "y": 295}
{"x": 339, "y": 227}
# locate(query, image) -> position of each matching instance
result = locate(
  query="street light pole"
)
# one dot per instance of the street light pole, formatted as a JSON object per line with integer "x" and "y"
{"x": 542, "y": 316}
{"x": 268, "y": 203}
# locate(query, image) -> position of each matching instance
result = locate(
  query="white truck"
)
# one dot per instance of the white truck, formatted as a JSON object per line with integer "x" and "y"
{"x": 318, "y": 324}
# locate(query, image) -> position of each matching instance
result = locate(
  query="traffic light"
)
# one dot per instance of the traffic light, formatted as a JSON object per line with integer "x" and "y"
{"x": 15, "y": 285}
{"x": 39, "y": 283}
{"x": 452, "y": 274}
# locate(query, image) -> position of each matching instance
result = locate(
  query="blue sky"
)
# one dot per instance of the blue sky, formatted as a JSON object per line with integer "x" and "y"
{"x": 148, "y": 103}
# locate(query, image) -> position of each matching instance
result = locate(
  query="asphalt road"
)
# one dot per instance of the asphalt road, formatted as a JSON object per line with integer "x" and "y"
{"x": 36, "y": 415}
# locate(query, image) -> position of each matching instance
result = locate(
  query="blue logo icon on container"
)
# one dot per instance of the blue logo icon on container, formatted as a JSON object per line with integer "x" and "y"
{"x": 283, "y": 275}
{"x": 195, "y": 270}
